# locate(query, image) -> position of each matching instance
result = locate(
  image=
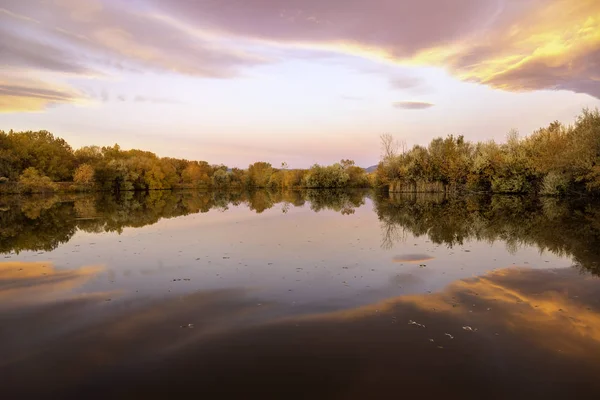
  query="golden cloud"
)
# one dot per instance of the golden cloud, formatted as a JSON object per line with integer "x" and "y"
{"x": 555, "y": 46}
{"x": 23, "y": 95}
{"x": 513, "y": 45}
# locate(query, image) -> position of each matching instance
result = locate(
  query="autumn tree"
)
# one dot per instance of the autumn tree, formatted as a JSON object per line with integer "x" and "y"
{"x": 259, "y": 174}
{"x": 84, "y": 174}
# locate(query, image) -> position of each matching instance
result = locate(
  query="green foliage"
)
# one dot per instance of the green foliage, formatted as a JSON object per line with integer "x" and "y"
{"x": 553, "y": 160}
{"x": 567, "y": 226}
{"x": 564, "y": 226}
{"x": 39, "y": 150}
{"x": 220, "y": 178}
{"x": 196, "y": 174}
{"x": 32, "y": 181}
{"x": 333, "y": 176}
{"x": 259, "y": 174}
{"x": 554, "y": 184}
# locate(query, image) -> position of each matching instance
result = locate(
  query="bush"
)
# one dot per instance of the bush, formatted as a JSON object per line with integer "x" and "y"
{"x": 31, "y": 181}
{"x": 332, "y": 176}
{"x": 510, "y": 184}
{"x": 554, "y": 184}
{"x": 3, "y": 180}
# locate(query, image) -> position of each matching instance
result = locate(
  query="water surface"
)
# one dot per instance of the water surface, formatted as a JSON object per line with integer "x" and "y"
{"x": 314, "y": 294}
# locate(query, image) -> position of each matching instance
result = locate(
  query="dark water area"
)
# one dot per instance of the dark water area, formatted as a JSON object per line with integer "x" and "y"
{"x": 299, "y": 294}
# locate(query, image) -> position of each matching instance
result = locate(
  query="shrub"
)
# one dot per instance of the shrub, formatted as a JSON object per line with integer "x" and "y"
{"x": 554, "y": 184}
{"x": 31, "y": 181}
{"x": 510, "y": 184}
{"x": 332, "y": 176}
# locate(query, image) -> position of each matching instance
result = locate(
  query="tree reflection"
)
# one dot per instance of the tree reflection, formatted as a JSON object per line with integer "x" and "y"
{"x": 563, "y": 227}
{"x": 44, "y": 222}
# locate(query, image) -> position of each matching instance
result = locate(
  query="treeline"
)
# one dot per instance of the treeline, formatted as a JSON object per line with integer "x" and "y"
{"x": 555, "y": 160}
{"x": 38, "y": 161}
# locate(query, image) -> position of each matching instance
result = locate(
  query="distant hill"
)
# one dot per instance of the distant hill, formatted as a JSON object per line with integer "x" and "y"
{"x": 372, "y": 168}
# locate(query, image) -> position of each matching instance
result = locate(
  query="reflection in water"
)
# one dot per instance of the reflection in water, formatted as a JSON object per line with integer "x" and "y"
{"x": 36, "y": 282}
{"x": 290, "y": 295}
{"x": 412, "y": 258}
{"x": 563, "y": 227}
{"x": 515, "y": 333}
{"x": 43, "y": 223}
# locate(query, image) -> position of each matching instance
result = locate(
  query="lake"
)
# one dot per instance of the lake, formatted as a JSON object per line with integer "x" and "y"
{"x": 298, "y": 294}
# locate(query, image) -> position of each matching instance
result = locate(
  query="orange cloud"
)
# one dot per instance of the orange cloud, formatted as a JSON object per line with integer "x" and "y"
{"x": 412, "y": 258}
{"x": 28, "y": 95}
{"x": 514, "y": 45}
{"x": 508, "y": 44}
{"x": 556, "y": 46}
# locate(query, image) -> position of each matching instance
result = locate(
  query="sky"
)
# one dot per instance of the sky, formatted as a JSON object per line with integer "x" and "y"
{"x": 296, "y": 81}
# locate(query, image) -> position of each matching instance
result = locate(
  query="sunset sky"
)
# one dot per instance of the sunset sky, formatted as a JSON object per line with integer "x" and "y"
{"x": 301, "y": 81}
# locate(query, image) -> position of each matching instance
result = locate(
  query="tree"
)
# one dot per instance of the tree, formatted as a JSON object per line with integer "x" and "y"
{"x": 42, "y": 151}
{"x": 84, "y": 174}
{"x": 389, "y": 147}
{"x": 220, "y": 178}
{"x": 259, "y": 174}
{"x": 90, "y": 155}
{"x": 346, "y": 163}
{"x": 194, "y": 175}
{"x": 332, "y": 176}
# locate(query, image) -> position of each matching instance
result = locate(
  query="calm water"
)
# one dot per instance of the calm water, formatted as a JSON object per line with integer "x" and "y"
{"x": 298, "y": 295}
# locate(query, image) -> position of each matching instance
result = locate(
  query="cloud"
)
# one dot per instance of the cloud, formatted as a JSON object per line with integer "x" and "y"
{"x": 119, "y": 33}
{"x": 500, "y": 43}
{"x": 66, "y": 39}
{"x": 514, "y": 45}
{"x": 555, "y": 46}
{"x": 156, "y": 100}
{"x": 412, "y": 105}
{"x": 26, "y": 52}
{"x": 352, "y": 98}
{"x": 406, "y": 82}
{"x": 18, "y": 95}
